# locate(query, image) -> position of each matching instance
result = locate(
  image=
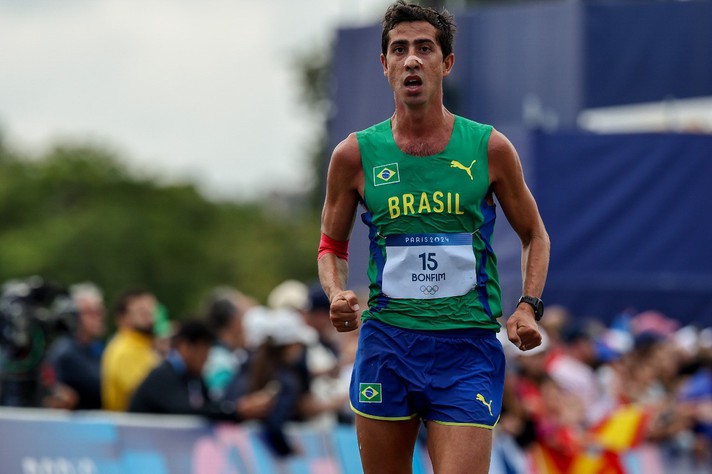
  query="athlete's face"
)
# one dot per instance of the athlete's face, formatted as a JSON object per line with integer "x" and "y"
{"x": 414, "y": 63}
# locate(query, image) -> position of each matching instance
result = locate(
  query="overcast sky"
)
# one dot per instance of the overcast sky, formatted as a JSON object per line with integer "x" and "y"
{"x": 204, "y": 90}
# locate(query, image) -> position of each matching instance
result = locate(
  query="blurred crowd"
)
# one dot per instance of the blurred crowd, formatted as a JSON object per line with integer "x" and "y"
{"x": 585, "y": 399}
{"x": 238, "y": 360}
{"x": 631, "y": 396}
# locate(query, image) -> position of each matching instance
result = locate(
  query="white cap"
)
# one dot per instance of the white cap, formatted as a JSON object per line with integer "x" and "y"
{"x": 284, "y": 326}
{"x": 257, "y": 323}
{"x": 288, "y": 327}
{"x": 291, "y": 294}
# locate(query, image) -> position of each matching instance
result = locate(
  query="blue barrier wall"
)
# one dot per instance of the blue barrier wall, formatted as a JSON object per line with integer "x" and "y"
{"x": 52, "y": 442}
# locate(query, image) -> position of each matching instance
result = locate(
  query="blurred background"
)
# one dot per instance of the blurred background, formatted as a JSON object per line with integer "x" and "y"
{"x": 182, "y": 146}
{"x": 116, "y": 115}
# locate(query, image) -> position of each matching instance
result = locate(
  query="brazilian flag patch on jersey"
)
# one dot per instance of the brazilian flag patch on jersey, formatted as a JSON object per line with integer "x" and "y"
{"x": 386, "y": 174}
{"x": 369, "y": 393}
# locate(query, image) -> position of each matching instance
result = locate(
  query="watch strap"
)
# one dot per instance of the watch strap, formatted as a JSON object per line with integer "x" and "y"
{"x": 535, "y": 303}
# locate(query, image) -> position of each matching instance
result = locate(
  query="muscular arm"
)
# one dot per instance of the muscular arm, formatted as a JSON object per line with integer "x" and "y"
{"x": 517, "y": 202}
{"x": 344, "y": 185}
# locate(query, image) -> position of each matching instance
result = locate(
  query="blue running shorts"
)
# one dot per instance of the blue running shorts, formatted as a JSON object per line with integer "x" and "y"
{"x": 452, "y": 377}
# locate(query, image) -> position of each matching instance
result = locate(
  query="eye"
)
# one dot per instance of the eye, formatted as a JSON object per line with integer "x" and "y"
{"x": 425, "y": 49}
{"x": 398, "y": 49}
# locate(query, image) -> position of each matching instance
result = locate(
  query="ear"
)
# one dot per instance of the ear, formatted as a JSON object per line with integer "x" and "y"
{"x": 384, "y": 63}
{"x": 448, "y": 63}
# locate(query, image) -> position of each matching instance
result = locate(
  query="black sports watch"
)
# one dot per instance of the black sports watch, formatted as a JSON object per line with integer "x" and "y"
{"x": 535, "y": 303}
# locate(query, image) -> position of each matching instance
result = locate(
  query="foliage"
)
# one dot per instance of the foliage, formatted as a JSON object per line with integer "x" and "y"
{"x": 77, "y": 214}
{"x": 313, "y": 68}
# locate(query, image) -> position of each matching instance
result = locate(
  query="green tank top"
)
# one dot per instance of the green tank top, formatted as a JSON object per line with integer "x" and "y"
{"x": 431, "y": 262}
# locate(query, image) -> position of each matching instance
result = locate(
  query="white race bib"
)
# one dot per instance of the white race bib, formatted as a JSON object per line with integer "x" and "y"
{"x": 427, "y": 266}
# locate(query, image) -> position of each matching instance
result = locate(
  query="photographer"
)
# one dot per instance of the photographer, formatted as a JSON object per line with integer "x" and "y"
{"x": 76, "y": 360}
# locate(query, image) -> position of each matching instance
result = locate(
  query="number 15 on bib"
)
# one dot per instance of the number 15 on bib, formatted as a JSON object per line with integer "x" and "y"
{"x": 427, "y": 266}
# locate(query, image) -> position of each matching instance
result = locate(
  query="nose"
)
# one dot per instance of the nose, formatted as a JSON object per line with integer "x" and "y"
{"x": 413, "y": 62}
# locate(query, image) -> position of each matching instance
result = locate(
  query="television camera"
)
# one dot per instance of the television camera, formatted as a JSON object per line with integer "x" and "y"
{"x": 33, "y": 311}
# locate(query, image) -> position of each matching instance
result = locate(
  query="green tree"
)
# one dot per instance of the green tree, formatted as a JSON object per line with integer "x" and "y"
{"x": 313, "y": 70}
{"x": 78, "y": 214}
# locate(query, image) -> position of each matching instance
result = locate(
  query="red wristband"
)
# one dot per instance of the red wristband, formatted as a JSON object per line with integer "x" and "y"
{"x": 329, "y": 245}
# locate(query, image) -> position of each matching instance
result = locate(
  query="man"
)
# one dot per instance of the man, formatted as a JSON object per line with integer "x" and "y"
{"x": 77, "y": 362}
{"x": 130, "y": 355}
{"x": 427, "y": 179}
{"x": 176, "y": 386}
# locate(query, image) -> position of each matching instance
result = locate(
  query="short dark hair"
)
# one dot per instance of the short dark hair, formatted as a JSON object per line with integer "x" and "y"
{"x": 318, "y": 299}
{"x": 122, "y": 303}
{"x": 220, "y": 313}
{"x": 194, "y": 331}
{"x": 401, "y": 12}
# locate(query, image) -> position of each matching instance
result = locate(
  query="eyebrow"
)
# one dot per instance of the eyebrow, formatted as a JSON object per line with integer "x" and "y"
{"x": 417, "y": 41}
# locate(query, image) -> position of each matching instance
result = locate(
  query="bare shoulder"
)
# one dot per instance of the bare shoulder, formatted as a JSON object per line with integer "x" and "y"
{"x": 347, "y": 153}
{"x": 345, "y": 169}
{"x": 503, "y": 158}
{"x": 498, "y": 143}
{"x": 344, "y": 186}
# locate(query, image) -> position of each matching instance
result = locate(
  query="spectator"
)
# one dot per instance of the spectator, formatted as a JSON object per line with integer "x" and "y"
{"x": 228, "y": 354}
{"x": 329, "y": 355}
{"x": 523, "y": 405}
{"x": 554, "y": 321}
{"x": 130, "y": 355}
{"x": 176, "y": 386}
{"x": 320, "y": 359}
{"x": 312, "y": 306}
{"x": 524, "y": 408}
{"x": 76, "y": 363}
{"x": 279, "y": 365}
{"x": 323, "y": 355}
{"x": 572, "y": 368}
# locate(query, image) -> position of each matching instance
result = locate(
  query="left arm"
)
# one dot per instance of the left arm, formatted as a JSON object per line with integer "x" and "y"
{"x": 518, "y": 204}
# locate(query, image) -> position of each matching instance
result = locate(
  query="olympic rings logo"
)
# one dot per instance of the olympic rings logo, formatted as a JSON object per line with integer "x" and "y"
{"x": 429, "y": 290}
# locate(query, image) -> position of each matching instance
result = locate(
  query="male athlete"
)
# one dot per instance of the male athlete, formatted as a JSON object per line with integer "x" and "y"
{"x": 427, "y": 348}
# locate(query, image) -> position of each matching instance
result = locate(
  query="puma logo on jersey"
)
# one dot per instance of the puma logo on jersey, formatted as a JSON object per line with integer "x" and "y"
{"x": 484, "y": 402}
{"x": 467, "y": 169}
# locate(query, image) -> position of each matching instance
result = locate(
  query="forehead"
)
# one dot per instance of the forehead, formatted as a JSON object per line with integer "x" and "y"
{"x": 412, "y": 30}
{"x": 142, "y": 300}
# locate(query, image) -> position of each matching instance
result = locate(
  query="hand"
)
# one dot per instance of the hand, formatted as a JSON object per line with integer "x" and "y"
{"x": 344, "y": 311}
{"x": 62, "y": 397}
{"x": 522, "y": 328}
{"x": 255, "y": 405}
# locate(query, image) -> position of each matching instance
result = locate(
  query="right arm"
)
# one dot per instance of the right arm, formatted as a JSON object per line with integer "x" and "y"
{"x": 344, "y": 186}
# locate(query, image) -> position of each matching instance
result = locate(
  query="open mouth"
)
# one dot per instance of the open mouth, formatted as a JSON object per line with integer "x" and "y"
{"x": 413, "y": 82}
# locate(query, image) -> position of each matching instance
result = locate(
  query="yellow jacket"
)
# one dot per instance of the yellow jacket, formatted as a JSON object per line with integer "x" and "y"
{"x": 127, "y": 360}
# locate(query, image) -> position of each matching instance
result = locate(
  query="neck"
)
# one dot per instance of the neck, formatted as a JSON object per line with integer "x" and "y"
{"x": 420, "y": 122}
{"x": 227, "y": 340}
{"x": 82, "y": 337}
